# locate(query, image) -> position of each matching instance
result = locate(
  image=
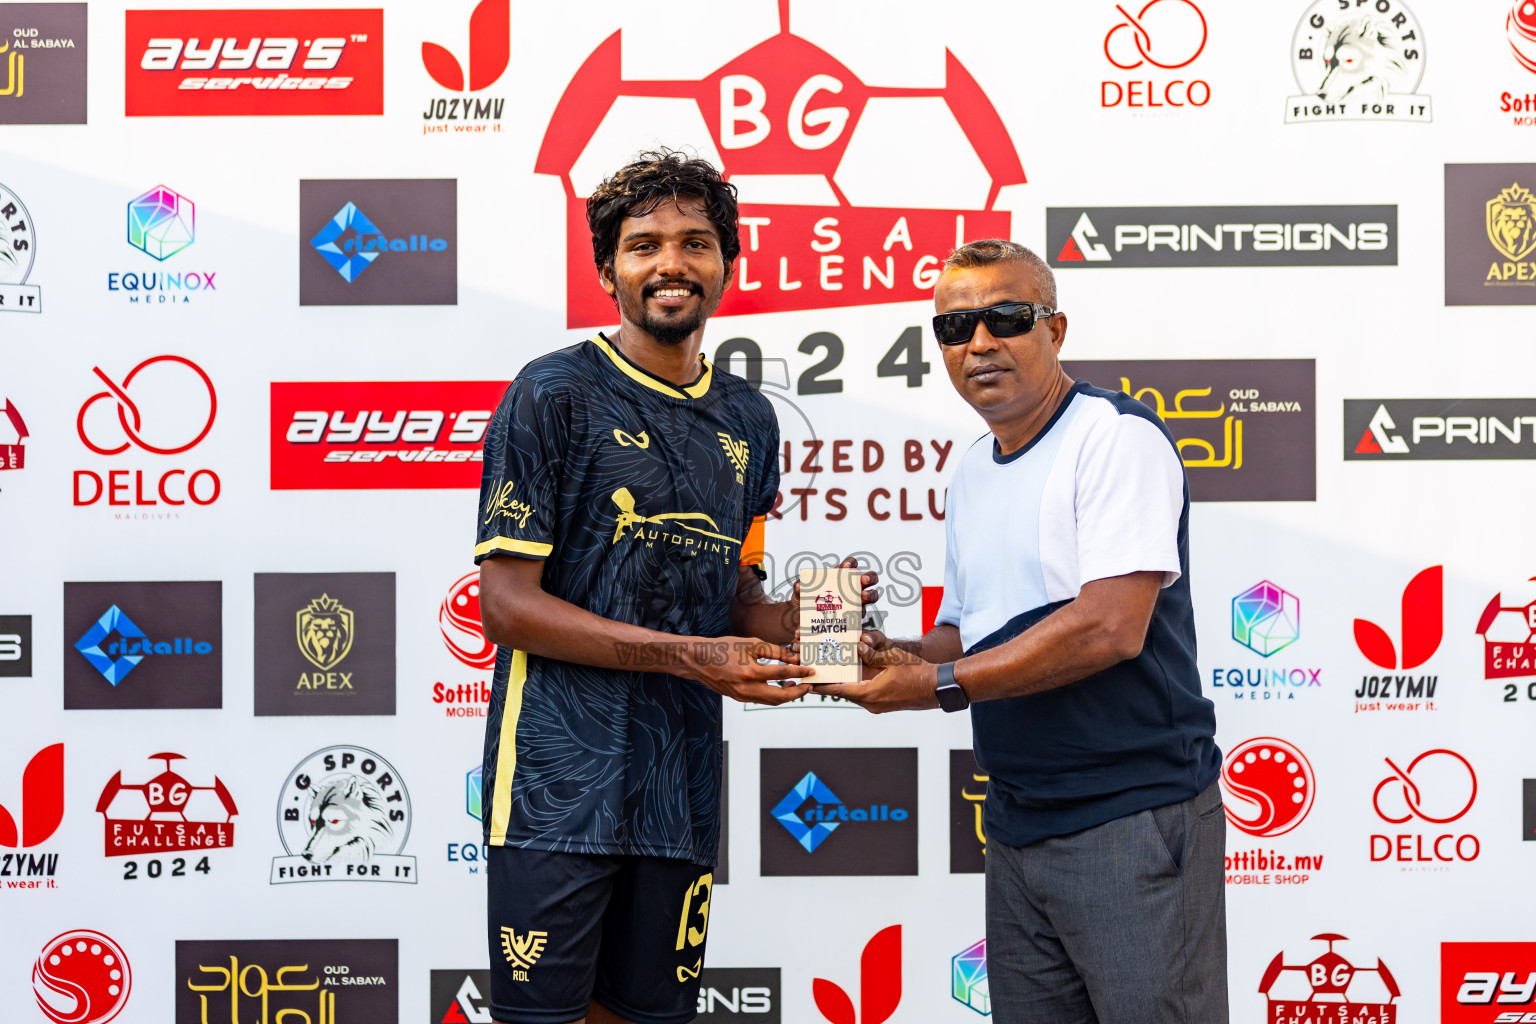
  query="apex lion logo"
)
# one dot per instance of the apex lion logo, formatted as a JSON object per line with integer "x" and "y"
{"x": 347, "y": 821}
{"x": 325, "y": 632}
{"x": 1512, "y": 222}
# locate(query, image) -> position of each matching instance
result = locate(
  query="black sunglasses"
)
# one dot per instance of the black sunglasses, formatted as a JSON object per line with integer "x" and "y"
{"x": 1004, "y": 320}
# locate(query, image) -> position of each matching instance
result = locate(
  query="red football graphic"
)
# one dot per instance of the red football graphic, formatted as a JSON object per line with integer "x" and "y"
{"x": 1275, "y": 779}
{"x": 81, "y": 977}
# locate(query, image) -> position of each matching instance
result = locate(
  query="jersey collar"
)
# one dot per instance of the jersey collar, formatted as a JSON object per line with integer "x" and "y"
{"x": 640, "y": 376}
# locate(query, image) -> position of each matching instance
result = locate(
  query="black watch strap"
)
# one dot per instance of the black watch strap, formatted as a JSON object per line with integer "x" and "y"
{"x": 951, "y": 696}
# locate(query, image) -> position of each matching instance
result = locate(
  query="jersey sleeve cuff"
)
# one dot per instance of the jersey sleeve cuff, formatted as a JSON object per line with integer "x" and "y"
{"x": 509, "y": 546}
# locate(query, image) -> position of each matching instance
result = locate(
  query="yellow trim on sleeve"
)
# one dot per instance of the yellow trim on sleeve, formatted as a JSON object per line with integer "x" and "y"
{"x": 695, "y": 390}
{"x": 506, "y": 751}
{"x": 516, "y": 547}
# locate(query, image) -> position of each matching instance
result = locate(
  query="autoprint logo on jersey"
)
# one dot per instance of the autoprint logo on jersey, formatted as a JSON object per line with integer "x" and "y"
{"x": 828, "y": 219}
{"x": 1436, "y": 788}
{"x": 1106, "y": 237}
{"x": 490, "y": 50}
{"x": 1487, "y": 982}
{"x": 458, "y": 620}
{"x": 808, "y": 828}
{"x": 1266, "y": 619}
{"x": 23, "y": 865}
{"x": 81, "y": 977}
{"x": 1164, "y": 35}
{"x": 359, "y": 435}
{"x": 379, "y": 242}
{"x": 325, "y": 643}
{"x": 316, "y": 981}
{"x": 1423, "y": 622}
{"x": 143, "y": 645}
{"x": 344, "y": 815}
{"x": 1269, "y": 788}
{"x": 1508, "y": 629}
{"x": 228, "y": 63}
{"x": 42, "y": 63}
{"x": 166, "y": 814}
{"x": 1329, "y": 989}
{"x": 18, "y": 249}
{"x": 1490, "y": 235}
{"x": 163, "y": 407}
{"x": 161, "y": 223}
{"x": 1358, "y": 60}
{"x": 1245, "y": 428}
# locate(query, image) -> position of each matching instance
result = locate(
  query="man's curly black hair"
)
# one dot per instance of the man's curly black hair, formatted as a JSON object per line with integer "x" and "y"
{"x": 652, "y": 178}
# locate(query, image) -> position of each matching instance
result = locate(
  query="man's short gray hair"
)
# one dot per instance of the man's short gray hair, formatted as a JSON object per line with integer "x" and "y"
{"x": 987, "y": 251}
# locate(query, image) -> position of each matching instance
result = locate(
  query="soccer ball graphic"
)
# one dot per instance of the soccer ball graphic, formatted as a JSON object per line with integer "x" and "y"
{"x": 1329, "y": 978}
{"x": 1510, "y": 617}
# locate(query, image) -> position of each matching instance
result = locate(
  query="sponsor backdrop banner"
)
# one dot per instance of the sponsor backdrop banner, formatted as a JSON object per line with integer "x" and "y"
{"x": 265, "y": 274}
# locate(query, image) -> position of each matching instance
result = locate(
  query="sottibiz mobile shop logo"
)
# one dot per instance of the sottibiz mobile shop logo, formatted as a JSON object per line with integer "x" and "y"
{"x": 1520, "y": 31}
{"x": 1508, "y": 629}
{"x": 232, "y": 63}
{"x": 1488, "y": 983}
{"x": 344, "y": 816}
{"x": 828, "y": 218}
{"x": 167, "y": 814}
{"x": 1269, "y": 788}
{"x": 1329, "y": 989}
{"x": 316, "y": 981}
{"x": 81, "y": 977}
{"x": 27, "y": 824}
{"x": 13, "y": 440}
{"x": 458, "y": 619}
{"x": 1358, "y": 60}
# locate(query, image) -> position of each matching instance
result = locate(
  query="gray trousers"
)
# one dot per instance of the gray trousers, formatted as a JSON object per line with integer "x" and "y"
{"x": 1123, "y": 923}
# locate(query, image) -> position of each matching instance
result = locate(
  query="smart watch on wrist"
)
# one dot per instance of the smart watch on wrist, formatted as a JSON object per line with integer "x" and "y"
{"x": 951, "y": 697}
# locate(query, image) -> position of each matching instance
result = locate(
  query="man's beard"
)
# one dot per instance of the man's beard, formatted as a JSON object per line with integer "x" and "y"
{"x": 672, "y": 330}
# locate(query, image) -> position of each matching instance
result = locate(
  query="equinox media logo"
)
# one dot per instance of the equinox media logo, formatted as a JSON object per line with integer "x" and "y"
{"x": 161, "y": 223}
{"x": 968, "y": 978}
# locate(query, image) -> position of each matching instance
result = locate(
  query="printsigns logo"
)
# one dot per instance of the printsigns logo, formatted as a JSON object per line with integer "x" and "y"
{"x": 18, "y": 249}
{"x": 1221, "y": 236}
{"x": 166, "y": 814}
{"x": 968, "y": 978}
{"x": 803, "y": 138}
{"x": 1269, "y": 786}
{"x": 232, "y": 63}
{"x": 1487, "y": 982}
{"x": 738, "y": 995}
{"x": 879, "y": 984}
{"x": 1166, "y": 35}
{"x": 868, "y": 797}
{"x": 81, "y": 977}
{"x": 402, "y": 252}
{"x": 1490, "y": 233}
{"x": 379, "y": 435}
{"x": 1358, "y": 63}
{"x": 1423, "y": 625}
{"x": 42, "y": 63}
{"x": 325, "y": 643}
{"x": 1245, "y": 428}
{"x": 490, "y": 50}
{"x": 344, "y": 815}
{"x": 166, "y": 636}
{"x": 461, "y": 997}
{"x": 1419, "y": 429}
{"x": 1509, "y": 636}
{"x": 15, "y": 646}
{"x": 321, "y": 981}
{"x": 42, "y": 802}
{"x": 1265, "y": 618}
{"x": 1329, "y": 989}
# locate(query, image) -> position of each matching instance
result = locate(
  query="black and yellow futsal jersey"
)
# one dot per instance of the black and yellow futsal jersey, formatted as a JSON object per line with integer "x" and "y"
{"x": 643, "y": 498}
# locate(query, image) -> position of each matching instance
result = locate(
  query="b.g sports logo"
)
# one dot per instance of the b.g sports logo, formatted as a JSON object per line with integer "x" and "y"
{"x": 828, "y": 218}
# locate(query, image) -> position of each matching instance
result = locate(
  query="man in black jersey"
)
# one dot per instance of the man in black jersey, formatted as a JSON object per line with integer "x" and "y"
{"x": 626, "y": 483}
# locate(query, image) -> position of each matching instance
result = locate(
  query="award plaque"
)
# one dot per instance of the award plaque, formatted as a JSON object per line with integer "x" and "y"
{"x": 831, "y": 617}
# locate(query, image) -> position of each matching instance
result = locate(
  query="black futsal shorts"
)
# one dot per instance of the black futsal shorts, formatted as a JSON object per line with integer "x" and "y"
{"x": 566, "y": 928}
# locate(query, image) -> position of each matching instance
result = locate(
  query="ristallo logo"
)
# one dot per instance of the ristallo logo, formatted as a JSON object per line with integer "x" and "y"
{"x": 1487, "y": 982}
{"x": 41, "y": 809}
{"x": 13, "y": 438}
{"x": 143, "y": 645}
{"x": 81, "y": 977}
{"x": 164, "y": 406}
{"x": 879, "y": 984}
{"x": 1329, "y": 989}
{"x": 378, "y": 242}
{"x": 1436, "y": 788}
{"x": 839, "y": 812}
{"x": 1423, "y": 623}
{"x": 233, "y": 63}
{"x": 380, "y": 435}
{"x": 490, "y": 50}
{"x": 827, "y": 220}
{"x": 1164, "y": 35}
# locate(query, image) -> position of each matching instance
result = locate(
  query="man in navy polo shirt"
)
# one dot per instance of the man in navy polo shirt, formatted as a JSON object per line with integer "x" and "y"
{"x": 1067, "y": 627}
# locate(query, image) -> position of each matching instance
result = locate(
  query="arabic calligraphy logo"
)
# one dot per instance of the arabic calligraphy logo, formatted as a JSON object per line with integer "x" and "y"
{"x": 628, "y": 517}
{"x": 1275, "y": 778}
{"x": 234, "y": 982}
{"x": 1520, "y": 26}
{"x": 980, "y": 801}
{"x": 522, "y": 952}
{"x": 1444, "y": 781}
{"x": 325, "y": 632}
{"x": 1512, "y": 222}
{"x": 81, "y": 977}
{"x": 1169, "y": 28}
{"x": 1231, "y": 427}
{"x": 161, "y": 222}
{"x": 15, "y": 71}
{"x": 459, "y": 621}
{"x": 127, "y": 408}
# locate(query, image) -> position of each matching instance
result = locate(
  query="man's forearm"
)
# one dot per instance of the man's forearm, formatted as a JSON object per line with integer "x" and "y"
{"x": 938, "y": 645}
{"x": 766, "y": 620}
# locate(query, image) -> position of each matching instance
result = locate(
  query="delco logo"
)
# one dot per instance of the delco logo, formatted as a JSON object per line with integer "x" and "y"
{"x": 828, "y": 218}
{"x": 366, "y": 436}
{"x": 243, "y": 63}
